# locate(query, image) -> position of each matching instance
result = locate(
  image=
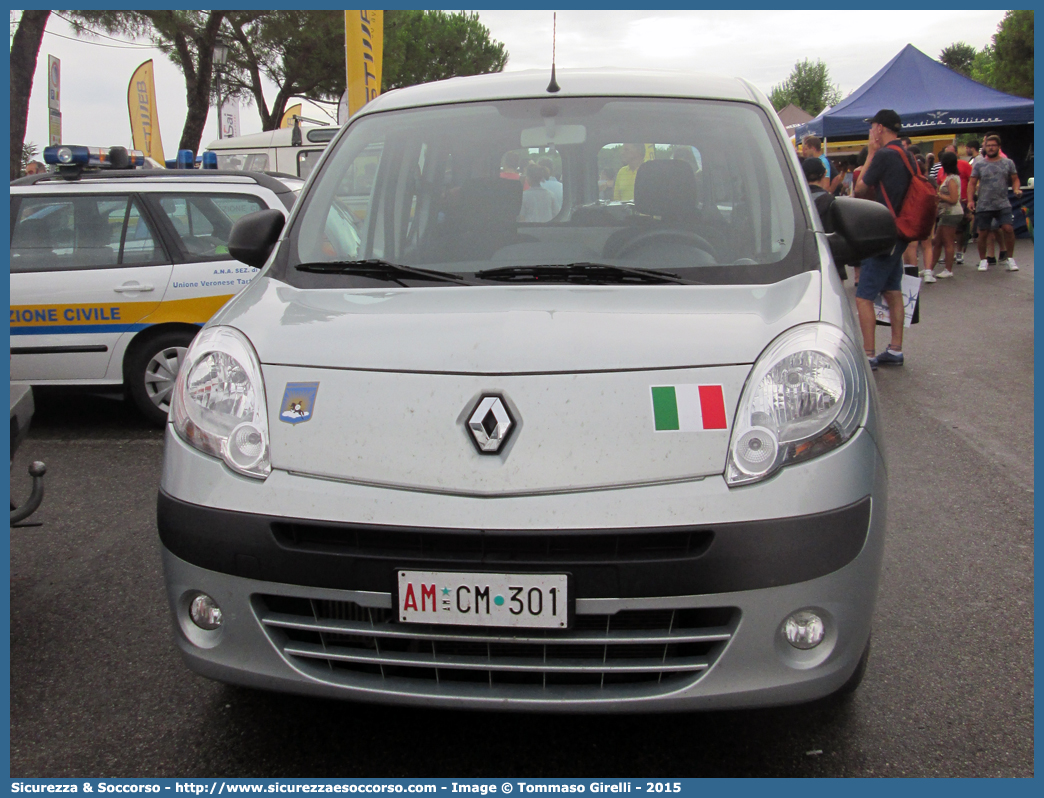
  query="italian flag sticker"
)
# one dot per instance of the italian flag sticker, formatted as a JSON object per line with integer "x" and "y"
{"x": 688, "y": 408}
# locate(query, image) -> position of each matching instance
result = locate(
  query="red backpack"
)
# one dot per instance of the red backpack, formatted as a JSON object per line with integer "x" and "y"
{"x": 916, "y": 217}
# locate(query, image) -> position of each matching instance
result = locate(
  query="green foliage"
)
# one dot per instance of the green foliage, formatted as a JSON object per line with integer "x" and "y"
{"x": 959, "y": 57}
{"x": 1007, "y": 63}
{"x": 982, "y": 66}
{"x": 1013, "y": 54}
{"x": 808, "y": 87}
{"x": 301, "y": 52}
{"x": 29, "y": 152}
{"x": 422, "y": 46}
{"x": 186, "y": 37}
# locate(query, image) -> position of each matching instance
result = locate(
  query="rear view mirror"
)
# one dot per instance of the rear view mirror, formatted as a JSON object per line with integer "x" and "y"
{"x": 862, "y": 229}
{"x": 254, "y": 235}
{"x": 551, "y": 133}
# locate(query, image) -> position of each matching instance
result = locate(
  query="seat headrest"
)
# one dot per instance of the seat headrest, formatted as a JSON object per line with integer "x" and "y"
{"x": 491, "y": 200}
{"x": 91, "y": 229}
{"x": 665, "y": 188}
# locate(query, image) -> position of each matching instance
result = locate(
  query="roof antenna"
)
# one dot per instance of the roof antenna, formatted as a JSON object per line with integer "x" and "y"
{"x": 553, "y": 85}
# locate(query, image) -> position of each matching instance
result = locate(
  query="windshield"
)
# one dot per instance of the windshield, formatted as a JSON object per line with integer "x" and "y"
{"x": 698, "y": 190}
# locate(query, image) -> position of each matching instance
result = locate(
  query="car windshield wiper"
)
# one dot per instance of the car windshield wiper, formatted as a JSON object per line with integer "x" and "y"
{"x": 379, "y": 270}
{"x": 582, "y": 272}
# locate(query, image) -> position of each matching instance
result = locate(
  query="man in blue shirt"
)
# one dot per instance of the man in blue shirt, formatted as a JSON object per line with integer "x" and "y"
{"x": 884, "y": 173}
{"x": 812, "y": 147}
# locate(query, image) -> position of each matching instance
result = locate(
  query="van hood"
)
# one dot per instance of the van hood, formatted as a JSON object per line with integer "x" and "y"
{"x": 519, "y": 330}
{"x": 382, "y": 388}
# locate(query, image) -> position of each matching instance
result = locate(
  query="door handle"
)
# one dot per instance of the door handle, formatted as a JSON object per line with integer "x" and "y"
{"x": 130, "y": 288}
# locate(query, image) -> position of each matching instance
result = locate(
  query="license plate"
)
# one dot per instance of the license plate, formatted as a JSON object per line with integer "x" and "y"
{"x": 467, "y": 599}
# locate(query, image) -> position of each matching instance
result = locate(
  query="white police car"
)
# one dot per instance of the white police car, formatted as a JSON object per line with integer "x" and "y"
{"x": 618, "y": 457}
{"x": 114, "y": 270}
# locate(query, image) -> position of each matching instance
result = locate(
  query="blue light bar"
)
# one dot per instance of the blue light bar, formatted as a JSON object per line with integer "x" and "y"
{"x": 75, "y": 155}
{"x": 70, "y": 155}
{"x": 135, "y": 158}
{"x": 210, "y": 160}
{"x": 186, "y": 159}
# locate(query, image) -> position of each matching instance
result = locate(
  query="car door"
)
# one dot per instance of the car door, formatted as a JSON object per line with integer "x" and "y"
{"x": 205, "y": 275}
{"x": 85, "y": 269}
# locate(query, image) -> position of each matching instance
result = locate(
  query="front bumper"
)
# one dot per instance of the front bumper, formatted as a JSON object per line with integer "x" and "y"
{"x": 312, "y": 614}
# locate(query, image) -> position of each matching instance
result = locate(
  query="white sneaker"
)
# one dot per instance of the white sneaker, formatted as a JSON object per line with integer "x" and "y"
{"x": 1010, "y": 265}
{"x": 928, "y": 276}
{"x": 945, "y": 273}
{"x": 983, "y": 265}
{"x": 959, "y": 258}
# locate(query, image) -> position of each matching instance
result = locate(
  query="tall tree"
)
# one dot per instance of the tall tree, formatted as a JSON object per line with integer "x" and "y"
{"x": 25, "y": 48}
{"x": 982, "y": 66}
{"x": 422, "y": 46}
{"x": 959, "y": 57}
{"x": 186, "y": 37}
{"x": 301, "y": 52}
{"x": 1013, "y": 54}
{"x": 808, "y": 87}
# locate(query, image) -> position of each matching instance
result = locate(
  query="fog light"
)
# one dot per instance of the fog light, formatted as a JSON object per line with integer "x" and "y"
{"x": 246, "y": 446}
{"x": 205, "y": 612}
{"x": 756, "y": 451}
{"x": 804, "y": 630}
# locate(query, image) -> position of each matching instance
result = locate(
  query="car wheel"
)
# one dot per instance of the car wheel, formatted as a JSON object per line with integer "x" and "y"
{"x": 152, "y": 370}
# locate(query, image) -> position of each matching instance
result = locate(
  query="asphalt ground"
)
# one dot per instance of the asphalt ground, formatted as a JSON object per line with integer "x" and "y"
{"x": 98, "y": 688}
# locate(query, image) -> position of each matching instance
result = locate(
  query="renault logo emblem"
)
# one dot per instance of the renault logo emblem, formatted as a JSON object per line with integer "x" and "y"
{"x": 490, "y": 424}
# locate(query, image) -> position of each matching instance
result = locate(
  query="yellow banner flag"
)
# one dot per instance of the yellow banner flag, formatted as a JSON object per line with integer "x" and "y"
{"x": 364, "y": 47}
{"x": 144, "y": 119}
{"x": 288, "y": 117}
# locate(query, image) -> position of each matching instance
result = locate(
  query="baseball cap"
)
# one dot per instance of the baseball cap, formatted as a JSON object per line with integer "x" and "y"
{"x": 887, "y": 117}
{"x": 813, "y": 169}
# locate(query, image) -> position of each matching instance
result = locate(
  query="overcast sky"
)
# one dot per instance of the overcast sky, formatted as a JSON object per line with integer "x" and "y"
{"x": 761, "y": 46}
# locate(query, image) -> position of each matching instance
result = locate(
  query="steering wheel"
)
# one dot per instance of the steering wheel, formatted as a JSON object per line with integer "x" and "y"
{"x": 664, "y": 236}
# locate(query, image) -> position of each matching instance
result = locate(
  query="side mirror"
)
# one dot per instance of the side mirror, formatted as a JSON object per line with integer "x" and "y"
{"x": 254, "y": 235}
{"x": 862, "y": 229}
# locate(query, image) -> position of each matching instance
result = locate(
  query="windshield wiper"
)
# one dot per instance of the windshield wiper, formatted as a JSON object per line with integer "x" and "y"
{"x": 379, "y": 270}
{"x": 582, "y": 272}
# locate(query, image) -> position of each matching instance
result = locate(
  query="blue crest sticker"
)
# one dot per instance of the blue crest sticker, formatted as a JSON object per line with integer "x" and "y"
{"x": 298, "y": 402}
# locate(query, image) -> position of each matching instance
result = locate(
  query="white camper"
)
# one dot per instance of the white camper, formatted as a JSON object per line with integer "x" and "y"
{"x": 273, "y": 151}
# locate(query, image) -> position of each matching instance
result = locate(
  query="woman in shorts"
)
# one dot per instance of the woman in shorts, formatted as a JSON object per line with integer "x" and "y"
{"x": 950, "y": 215}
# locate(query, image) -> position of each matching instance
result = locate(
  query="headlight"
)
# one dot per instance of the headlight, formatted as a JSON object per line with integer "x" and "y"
{"x": 806, "y": 395}
{"x": 219, "y": 402}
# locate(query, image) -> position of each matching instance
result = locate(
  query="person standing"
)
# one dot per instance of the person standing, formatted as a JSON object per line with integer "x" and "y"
{"x": 633, "y": 157}
{"x": 991, "y": 177}
{"x": 964, "y": 170}
{"x": 819, "y": 186}
{"x": 537, "y": 201}
{"x": 552, "y": 184}
{"x": 884, "y": 175}
{"x": 950, "y": 215}
{"x": 509, "y": 169}
{"x": 812, "y": 147}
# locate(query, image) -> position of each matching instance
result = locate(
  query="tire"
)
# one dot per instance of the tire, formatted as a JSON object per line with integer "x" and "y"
{"x": 151, "y": 370}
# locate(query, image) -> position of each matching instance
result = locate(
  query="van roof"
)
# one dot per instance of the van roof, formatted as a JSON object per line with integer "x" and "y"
{"x": 573, "y": 83}
{"x": 267, "y": 138}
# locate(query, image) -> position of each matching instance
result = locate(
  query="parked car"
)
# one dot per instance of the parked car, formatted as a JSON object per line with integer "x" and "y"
{"x": 113, "y": 271}
{"x": 625, "y": 458}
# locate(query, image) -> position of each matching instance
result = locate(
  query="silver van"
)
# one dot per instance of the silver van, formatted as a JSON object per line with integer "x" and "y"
{"x": 463, "y": 445}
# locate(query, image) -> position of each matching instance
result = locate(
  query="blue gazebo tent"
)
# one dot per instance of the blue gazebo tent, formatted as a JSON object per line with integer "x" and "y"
{"x": 928, "y": 97}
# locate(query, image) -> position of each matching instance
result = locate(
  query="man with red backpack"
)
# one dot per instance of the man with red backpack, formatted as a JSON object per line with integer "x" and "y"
{"x": 887, "y": 178}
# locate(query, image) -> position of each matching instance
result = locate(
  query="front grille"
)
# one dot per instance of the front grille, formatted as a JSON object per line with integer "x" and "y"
{"x": 355, "y": 645}
{"x": 585, "y": 545}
